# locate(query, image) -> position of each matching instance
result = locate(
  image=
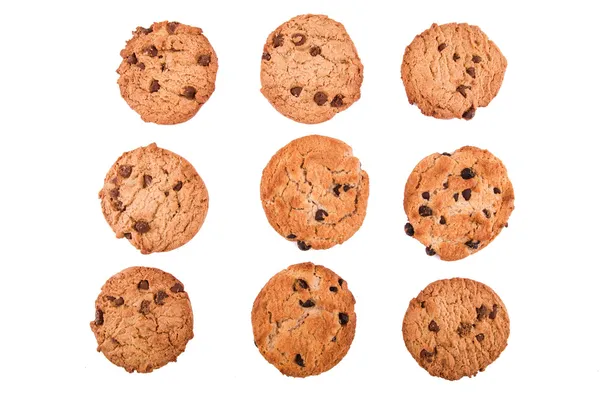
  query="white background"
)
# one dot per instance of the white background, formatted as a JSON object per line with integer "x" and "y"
{"x": 63, "y": 124}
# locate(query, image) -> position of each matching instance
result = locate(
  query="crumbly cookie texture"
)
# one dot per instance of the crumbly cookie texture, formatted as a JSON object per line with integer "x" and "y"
{"x": 314, "y": 192}
{"x": 154, "y": 198}
{"x": 457, "y": 203}
{"x": 168, "y": 72}
{"x": 143, "y": 319}
{"x": 456, "y": 328}
{"x": 451, "y": 70}
{"x": 310, "y": 69}
{"x": 303, "y": 320}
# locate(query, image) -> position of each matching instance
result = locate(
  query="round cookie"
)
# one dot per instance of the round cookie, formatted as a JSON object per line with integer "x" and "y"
{"x": 168, "y": 72}
{"x": 310, "y": 69}
{"x": 451, "y": 70}
{"x": 456, "y": 328}
{"x": 303, "y": 320}
{"x": 143, "y": 319}
{"x": 457, "y": 203}
{"x": 154, "y": 198}
{"x": 314, "y": 192}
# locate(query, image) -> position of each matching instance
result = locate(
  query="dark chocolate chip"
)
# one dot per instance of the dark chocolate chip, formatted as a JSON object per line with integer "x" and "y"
{"x": 298, "y": 39}
{"x": 298, "y": 360}
{"x": 469, "y": 113}
{"x": 291, "y": 236}
{"x": 141, "y": 227}
{"x": 172, "y": 26}
{"x": 433, "y": 327}
{"x": 455, "y": 195}
{"x": 144, "y": 30}
{"x": 333, "y": 289}
{"x": 125, "y": 171}
{"x": 425, "y": 211}
{"x": 278, "y": 40}
{"x": 494, "y": 312}
{"x": 466, "y": 194}
{"x": 119, "y": 205}
{"x": 471, "y": 71}
{"x": 189, "y": 92}
{"x": 320, "y": 98}
{"x": 110, "y": 298}
{"x": 314, "y": 51}
{"x": 463, "y": 90}
{"x": 347, "y": 187}
{"x": 464, "y": 329}
{"x": 177, "y": 287}
{"x": 301, "y": 283}
{"x": 340, "y": 281}
{"x": 114, "y": 193}
{"x": 482, "y": 311}
{"x": 266, "y": 56}
{"x": 425, "y": 195}
{"x": 445, "y": 185}
{"x": 442, "y": 220}
{"x": 166, "y": 194}
{"x": 409, "y": 230}
{"x": 480, "y": 337}
{"x": 344, "y": 318}
{"x": 295, "y": 91}
{"x": 476, "y": 59}
{"x": 303, "y": 246}
{"x": 145, "y": 307}
{"x": 336, "y": 190}
{"x": 141, "y": 65}
{"x": 442, "y": 46}
{"x": 119, "y": 301}
{"x": 204, "y": 59}
{"x": 151, "y": 51}
{"x": 307, "y": 304}
{"x": 467, "y": 173}
{"x": 446, "y": 154}
{"x": 497, "y": 190}
{"x": 154, "y": 86}
{"x": 99, "y": 320}
{"x": 163, "y": 67}
{"x": 427, "y": 356}
{"x": 455, "y": 57}
{"x": 334, "y": 339}
{"x": 337, "y": 101}
{"x": 127, "y": 236}
{"x": 486, "y": 212}
{"x": 132, "y": 59}
{"x": 423, "y": 305}
{"x": 144, "y": 285}
{"x": 159, "y": 297}
{"x": 178, "y": 186}
{"x": 147, "y": 180}
{"x": 429, "y": 251}
{"x": 320, "y": 215}
{"x": 473, "y": 244}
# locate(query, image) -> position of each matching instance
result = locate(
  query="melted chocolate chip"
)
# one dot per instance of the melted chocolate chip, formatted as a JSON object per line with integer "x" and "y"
{"x": 301, "y": 283}
{"x": 455, "y": 57}
{"x": 486, "y": 212}
{"x": 114, "y": 193}
{"x": 154, "y": 86}
{"x": 344, "y": 318}
{"x": 278, "y": 40}
{"x": 320, "y": 215}
{"x": 480, "y": 337}
{"x": 464, "y": 329}
{"x": 467, "y": 173}
{"x": 433, "y": 327}
{"x": 430, "y": 251}
{"x": 145, "y": 307}
{"x": 442, "y": 220}
{"x": 172, "y": 26}
{"x": 336, "y": 190}
{"x": 151, "y": 51}
{"x": 425, "y": 211}
{"x": 204, "y": 59}
{"x": 132, "y": 59}
{"x": 476, "y": 59}
{"x": 466, "y": 194}
{"x": 266, "y": 56}
{"x": 497, "y": 190}
{"x": 494, "y": 312}
{"x": 127, "y": 236}
{"x": 471, "y": 71}
{"x": 442, "y": 46}
{"x": 141, "y": 227}
{"x": 303, "y": 246}
{"x": 469, "y": 113}
{"x": 178, "y": 186}
{"x": 298, "y": 360}
{"x": 462, "y": 89}
{"x": 314, "y": 51}
{"x": 409, "y": 230}
{"x": 295, "y": 91}
{"x": 298, "y": 39}
{"x": 99, "y": 320}
{"x": 147, "y": 180}
{"x": 291, "y": 236}
{"x": 333, "y": 289}
{"x": 473, "y": 244}
{"x": 307, "y": 304}
{"x": 189, "y": 92}
{"x": 159, "y": 297}
{"x": 347, "y": 187}
{"x": 144, "y": 285}
{"x": 425, "y": 195}
{"x": 119, "y": 301}
{"x": 427, "y": 356}
{"x": 482, "y": 311}
{"x": 177, "y": 287}
{"x": 337, "y": 101}
{"x": 144, "y": 30}
{"x": 141, "y": 65}
{"x": 320, "y": 98}
{"x": 125, "y": 171}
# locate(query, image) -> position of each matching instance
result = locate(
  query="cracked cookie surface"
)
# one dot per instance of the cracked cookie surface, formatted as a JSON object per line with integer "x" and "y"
{"x": 303, "y": 320}
{"x": 143, "y": 319}
{"x": 457, "y": 203}
{"x": 310, "y": 69}
{"x": 314, "y": 192}
{"x": 450, "y": 70}
{"x": 456, "y": 328}
{"x": 154, "y": 198}
{"x": 168, "y": 72}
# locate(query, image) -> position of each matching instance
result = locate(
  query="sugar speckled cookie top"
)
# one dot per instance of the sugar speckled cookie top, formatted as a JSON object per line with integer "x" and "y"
{"x": 154, "y": 198}
{"x": 303, "y": 320}
{"x": 451, "y": 70}
{"x": 314, "y": 192}
{"x": 143, "y": 319}
{"x": 457, "y": 203}
{"x": 310, "y": 69}
{"x": 168, "y": 72}
{"x": 456, "y": 328}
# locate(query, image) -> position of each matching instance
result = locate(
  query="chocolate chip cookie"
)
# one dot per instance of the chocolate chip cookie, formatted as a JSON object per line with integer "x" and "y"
{"x": 168, "y": 72}
{"x": 314, "y": 192}
{"x": 456, "y": 328}
{"x": 143, "y": 319}
{"x": 154, "y": 198}
{"x": 457, "y": 203}
{"x": 303, "y": 320}
{"x": 310, "y": 69}
{"x": 450, "y": 70}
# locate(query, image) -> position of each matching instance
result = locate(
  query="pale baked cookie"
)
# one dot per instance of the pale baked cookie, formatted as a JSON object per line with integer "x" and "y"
{"x": 303, "y": 320}
{"x": 310, "y": 69}
{"x": 451, "y": 70}
{"x": 314, "y": 192}
{"x": 154, "y": 198}
{"x": 143, "y": 319}
{"x": 168, "y": 72}
{"x": 456, "y": 328}
{"x": 457, "y": 203}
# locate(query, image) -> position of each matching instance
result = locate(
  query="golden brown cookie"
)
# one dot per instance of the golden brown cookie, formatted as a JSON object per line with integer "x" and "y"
{"x": 314, "y": 192}
{"x": 303, "y": 320}
{"x": 456, "y": 328}
{"x": 143, "y": 319}
{"x": 168, "y": 72}
{"x": 154, "y": 198}
{"x": 310, "y": 69}
{"x": 450, "y": 70}
{"x": 457, "y": 203}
